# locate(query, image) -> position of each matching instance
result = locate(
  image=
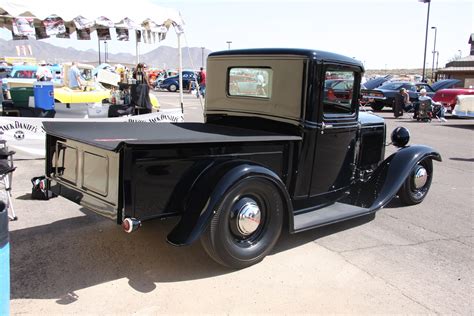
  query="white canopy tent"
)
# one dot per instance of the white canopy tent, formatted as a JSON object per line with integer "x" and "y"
{"x": 140, "y": 15}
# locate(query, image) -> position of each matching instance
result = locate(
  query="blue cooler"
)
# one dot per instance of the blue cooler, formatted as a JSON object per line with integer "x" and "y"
{"x": 4, "y": 262}
{"x": 44, "y": 95}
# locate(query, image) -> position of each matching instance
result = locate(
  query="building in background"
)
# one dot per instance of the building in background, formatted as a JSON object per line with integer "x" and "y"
{"x": 462, "y": 69}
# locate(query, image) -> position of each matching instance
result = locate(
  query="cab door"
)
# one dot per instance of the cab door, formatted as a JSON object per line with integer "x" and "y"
{"x": 337, "y": 129}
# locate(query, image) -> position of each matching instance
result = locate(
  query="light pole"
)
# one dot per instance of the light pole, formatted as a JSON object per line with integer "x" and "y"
{"x": 426, "y": 37}
{"x": 99, "y": 50}
{"x": 437, "y": 58}
{"x": 106, "y": 53}
{"x": 434, "y": 52}
{"x": 460, "y": 53}
{"x": 228, "y": 44}
{"x": 202, "y": 57}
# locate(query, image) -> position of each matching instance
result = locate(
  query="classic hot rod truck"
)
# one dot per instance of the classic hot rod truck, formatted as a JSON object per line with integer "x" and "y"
{"x": 283, "y": 145}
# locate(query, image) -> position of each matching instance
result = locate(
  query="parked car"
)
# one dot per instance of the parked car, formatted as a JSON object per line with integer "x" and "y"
{"x": 448, "y": 96}
{"x": 172, "y": 83}
{"x": 338, "y": 89}
{"x": 385, "y": 94}
{"x": 376, "y": 82}
{"x": 464, "y": 106}
{"x": 26, "y": 74}
{"x": 5, "y": 71}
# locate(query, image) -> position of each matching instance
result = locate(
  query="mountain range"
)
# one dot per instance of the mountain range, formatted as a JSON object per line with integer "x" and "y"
{"x": 161, "y": 57}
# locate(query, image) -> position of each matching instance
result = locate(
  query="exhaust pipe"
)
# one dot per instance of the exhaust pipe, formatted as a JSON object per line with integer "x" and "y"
{"x": 131, "y": 224}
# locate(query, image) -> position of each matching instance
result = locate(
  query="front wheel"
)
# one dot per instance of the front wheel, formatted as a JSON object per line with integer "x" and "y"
{"x": 417, "y": 184}
{"x": 247, "y": 224}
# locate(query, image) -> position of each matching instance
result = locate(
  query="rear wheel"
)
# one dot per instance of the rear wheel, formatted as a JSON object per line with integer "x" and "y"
{"x": 417, "y": 184}
{"x": 172, "y": 88}
{"x": 377, "y": 106}
{"x": 247, "y": 224}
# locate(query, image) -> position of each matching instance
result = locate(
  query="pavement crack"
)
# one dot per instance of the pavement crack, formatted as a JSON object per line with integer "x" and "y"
{"x": 409, "y": 297}
{"x": 403, "y": 245}
{"x": 416, "y": 225}
{"x": 388, "y": 283}
{"x": 462, "y": 242}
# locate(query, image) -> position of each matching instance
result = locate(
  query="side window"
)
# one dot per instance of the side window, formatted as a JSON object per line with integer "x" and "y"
{"x": 338, "y": 92}
{"x": 250, "y": 82}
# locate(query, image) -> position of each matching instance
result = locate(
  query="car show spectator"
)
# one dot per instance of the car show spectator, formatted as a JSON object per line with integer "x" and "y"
{"x": 436, "y": 107}
{"x": 74, "y": 76}
{"x": 139, "y": 93}
{"x": 140, "y": 74}
{"x": 401, "y": 103}
{"x": 202, "y": 82}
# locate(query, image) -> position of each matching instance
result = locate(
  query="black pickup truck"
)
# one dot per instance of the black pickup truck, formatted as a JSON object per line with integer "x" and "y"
{"x": 276, "y": 150}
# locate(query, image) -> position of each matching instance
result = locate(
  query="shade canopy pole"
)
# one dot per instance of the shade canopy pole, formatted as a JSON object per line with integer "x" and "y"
{"x": 137, "y": 47}
{"x": 180, "y": 71}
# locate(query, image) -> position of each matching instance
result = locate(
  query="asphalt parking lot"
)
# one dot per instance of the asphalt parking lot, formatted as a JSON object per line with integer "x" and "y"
{"x": 409, "y": 260}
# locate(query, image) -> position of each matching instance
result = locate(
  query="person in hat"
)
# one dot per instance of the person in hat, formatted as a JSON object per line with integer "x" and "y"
{"x": 43, "y": 73}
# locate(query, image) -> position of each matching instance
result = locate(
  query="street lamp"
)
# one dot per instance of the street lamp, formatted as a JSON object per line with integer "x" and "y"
{"x": 460, "y": 53}
{"x": 228, "y": 44}
{"x": 434, "y": 52}
{"x": 426, "y": 37}
{"x": 202, "y": 57}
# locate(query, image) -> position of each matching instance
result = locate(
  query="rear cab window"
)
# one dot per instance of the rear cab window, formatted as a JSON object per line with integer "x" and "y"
{"x": 250, "y": 82}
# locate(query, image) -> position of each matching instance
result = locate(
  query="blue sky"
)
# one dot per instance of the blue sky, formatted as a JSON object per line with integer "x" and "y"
{"x": 384, "y": 33}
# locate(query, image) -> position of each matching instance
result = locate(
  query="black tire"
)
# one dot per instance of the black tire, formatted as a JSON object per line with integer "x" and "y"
{"x": 377, "y": 106}
{"x": 409, "y": 194}
{"x": 172, "y": 88}
{"x": 223, "y": 241}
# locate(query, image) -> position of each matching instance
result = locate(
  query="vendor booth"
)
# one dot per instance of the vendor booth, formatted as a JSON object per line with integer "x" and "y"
{"x": 140, "y": 20}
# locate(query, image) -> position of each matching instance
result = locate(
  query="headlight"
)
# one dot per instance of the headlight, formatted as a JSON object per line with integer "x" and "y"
{"x": 400, "y": 136}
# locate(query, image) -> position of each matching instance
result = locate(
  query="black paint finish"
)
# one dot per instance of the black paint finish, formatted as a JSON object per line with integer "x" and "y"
{"x": 321, "y": 165}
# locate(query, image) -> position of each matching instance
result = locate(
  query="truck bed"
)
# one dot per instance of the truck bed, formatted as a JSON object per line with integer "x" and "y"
{"x": 113, "y": 135}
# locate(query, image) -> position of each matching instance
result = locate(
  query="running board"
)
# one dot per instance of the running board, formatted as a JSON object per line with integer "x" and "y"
{"x": 327, "y": 215}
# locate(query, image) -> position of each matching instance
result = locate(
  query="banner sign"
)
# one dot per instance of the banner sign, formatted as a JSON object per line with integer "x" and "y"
{"x": 54, "y": 25}
{"x": 122, "y": 33}
{"x": 23, "y": 27}
{"x": 82, "y": 23}
{"x": 26, "y": 136}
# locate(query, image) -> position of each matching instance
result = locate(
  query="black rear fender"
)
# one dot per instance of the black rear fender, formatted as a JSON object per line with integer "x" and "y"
{"x": 388, "y": 178}
{"x": 207, "y": 192}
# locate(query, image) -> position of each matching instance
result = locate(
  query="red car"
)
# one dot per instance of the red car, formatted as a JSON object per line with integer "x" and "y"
{"x": 448, "y": 96}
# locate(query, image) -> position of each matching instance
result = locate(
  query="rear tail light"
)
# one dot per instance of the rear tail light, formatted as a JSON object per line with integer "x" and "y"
{"x": 131, "y": 224}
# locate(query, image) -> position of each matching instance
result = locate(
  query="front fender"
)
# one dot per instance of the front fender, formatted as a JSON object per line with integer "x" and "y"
{"x": 392, "y": 172}
{"x": 207, "y": 194}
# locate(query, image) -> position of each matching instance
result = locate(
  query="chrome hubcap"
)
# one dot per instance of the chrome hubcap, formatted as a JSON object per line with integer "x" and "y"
{"x": 420, "y": 177}
{"x": 248, "y": 218}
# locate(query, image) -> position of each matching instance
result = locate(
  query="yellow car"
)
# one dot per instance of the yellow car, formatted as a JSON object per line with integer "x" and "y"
{"x": 94, "y": 92}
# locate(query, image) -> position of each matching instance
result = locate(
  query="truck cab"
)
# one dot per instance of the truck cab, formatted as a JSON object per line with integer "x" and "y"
{"x": 298, "y": 97}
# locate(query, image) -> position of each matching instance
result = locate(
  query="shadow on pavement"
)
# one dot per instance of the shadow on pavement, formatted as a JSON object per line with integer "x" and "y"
{"x": 462, "y": 159}
{"x": 55, "y": 260}
{"x": 463, "y": 126}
